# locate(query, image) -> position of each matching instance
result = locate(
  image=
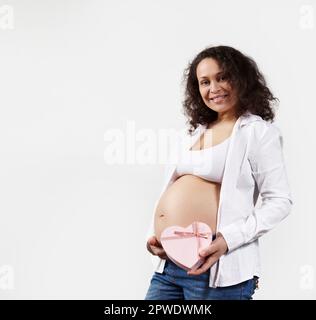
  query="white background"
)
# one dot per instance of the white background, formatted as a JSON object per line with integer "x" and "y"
{"x": 71, "y": 225}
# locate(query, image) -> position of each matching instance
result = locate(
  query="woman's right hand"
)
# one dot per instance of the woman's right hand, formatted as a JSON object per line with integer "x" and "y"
{"x": 155, "y": 248}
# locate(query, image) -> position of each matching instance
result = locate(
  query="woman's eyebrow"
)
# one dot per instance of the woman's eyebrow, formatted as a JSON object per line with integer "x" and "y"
{"x": 215, "y": 75}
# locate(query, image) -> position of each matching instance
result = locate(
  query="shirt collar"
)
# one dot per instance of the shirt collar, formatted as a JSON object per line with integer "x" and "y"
{"x": 248, "y": 118}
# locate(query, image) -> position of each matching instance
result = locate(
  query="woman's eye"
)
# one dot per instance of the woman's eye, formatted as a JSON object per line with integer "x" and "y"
{"x": 203, "y": 82}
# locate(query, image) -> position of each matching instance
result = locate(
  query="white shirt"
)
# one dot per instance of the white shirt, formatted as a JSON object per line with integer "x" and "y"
{"x": 208, "y": 163}
{"x": 254, "y": 165}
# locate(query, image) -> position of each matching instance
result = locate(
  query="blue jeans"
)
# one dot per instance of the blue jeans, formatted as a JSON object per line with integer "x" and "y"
{"x": 175, "y": 284}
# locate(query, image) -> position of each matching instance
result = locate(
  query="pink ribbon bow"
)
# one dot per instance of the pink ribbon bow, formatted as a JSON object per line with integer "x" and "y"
{"x": 185, "y": 234}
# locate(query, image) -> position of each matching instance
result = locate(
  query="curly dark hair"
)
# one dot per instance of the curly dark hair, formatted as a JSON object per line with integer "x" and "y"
{"x": 242, "y": 72}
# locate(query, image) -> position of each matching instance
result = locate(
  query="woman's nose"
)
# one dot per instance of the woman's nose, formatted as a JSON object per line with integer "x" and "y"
{"x": 214, "y": 86}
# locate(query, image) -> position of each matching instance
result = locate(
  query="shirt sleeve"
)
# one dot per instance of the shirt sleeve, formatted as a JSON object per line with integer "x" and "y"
{"x": 269, "y": 171}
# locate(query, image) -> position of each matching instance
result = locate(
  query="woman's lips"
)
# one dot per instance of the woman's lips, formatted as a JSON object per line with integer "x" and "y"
{"x": 220, "y": 98}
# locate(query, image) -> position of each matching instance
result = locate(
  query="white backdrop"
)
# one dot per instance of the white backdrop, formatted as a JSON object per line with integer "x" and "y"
{"x": 72, "y": 225}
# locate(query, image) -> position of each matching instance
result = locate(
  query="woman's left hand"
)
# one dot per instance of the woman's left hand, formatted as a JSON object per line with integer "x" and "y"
{"x": 212, "y": 253}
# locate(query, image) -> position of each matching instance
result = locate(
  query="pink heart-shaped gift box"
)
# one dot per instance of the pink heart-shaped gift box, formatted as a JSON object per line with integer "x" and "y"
{"x": 182, "y": 245}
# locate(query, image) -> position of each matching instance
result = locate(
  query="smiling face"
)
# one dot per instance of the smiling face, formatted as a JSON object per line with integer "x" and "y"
{"x": 216, "y": 91}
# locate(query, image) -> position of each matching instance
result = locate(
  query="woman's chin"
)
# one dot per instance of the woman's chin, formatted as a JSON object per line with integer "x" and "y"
{"x": 220, "y": 107}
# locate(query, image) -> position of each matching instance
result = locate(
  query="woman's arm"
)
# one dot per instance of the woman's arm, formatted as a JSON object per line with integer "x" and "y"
{"x": 269, "y": 171}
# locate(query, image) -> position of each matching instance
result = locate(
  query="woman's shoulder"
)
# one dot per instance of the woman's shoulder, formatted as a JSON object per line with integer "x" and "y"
{"x": 262, "y": 126}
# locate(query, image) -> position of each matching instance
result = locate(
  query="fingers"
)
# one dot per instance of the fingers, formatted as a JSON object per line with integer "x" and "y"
{"x": 155, "y": 248}
{"x": 159, "y": 252}
{"x": 212, "y": 253}
{"x": 154, "y": 241}
{"x": 212, "y": 248}
{"x": 205, "y": 266}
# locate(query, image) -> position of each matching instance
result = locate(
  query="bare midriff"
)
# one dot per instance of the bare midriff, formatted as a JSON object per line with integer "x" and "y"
{"x": 189, "y": 198}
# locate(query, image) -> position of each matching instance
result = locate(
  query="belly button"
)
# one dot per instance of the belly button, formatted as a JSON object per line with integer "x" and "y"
{"x": 162, "y": 215}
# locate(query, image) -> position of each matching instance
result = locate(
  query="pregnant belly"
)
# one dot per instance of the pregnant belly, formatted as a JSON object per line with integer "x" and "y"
{"x": 188, "y": 199}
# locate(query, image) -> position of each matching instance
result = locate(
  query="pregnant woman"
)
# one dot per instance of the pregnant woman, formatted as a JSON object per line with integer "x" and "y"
{"x": 234, "y": 154}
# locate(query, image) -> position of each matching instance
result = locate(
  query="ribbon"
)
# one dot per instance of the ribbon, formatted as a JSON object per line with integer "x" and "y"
{"x": 186, "y": 234}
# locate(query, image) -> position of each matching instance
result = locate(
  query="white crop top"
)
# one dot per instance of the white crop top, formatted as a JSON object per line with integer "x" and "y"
{"x": 207, "y": 163}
